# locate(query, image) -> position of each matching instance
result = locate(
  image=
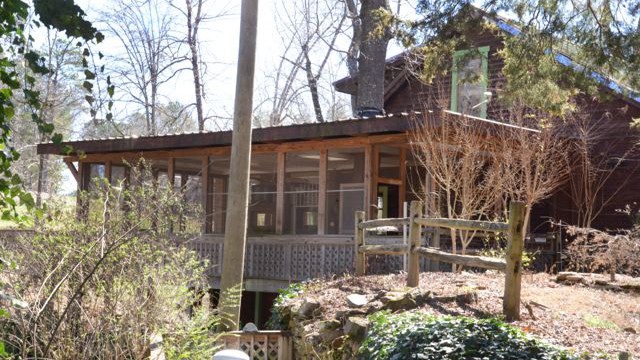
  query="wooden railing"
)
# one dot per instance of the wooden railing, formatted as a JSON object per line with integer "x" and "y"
{"x": 260, "y": 345}
{"x": 511, "y": 265}
{"x": 284, "y": 257}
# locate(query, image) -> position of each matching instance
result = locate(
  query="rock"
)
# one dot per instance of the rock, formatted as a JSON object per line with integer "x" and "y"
{"x": 356, "y": 327}
{"x": 307, "y": 308}
{"x": 421, "y": 297}
{"x": 613, "y": 287}
{"x": 399, "y": 301}
{"x": 356, "y": 300}
{"x": 329, "y": 324}
{"x": 343, "y": 314}
{"x": 574, "y": 279}
{"x": 374, "y": 306}
{"x": 328, "y": 335}
{"x": 601, "y": 282}
{"x": 634, "y": 287}
{"x": 562, "y": 276}
{"x": 467, "y": 298}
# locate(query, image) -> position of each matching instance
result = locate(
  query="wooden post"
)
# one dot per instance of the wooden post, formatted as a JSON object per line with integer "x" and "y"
{"x": 513, "y": 272}
{"x": 206, "y": 209}
{"x": 80, "y": 203}
{"x": 434, "y": 265}
{"x": 171, "y": 177}
{"x": 368, "y": 180}
{"x": 413, "y": 275}
{"x": 322, "y": 192}
{"x": 107, "y": 171}
{"x": 238, "y": 196}
{"x": 280, "y": 192}
{"x": 359, "y": 240}
{"x": 171, "y": 174}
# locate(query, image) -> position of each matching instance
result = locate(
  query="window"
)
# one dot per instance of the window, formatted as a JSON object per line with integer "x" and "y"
{"x": 469, "y": 81}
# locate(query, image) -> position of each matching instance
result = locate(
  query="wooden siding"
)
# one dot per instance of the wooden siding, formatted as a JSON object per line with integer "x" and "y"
{"x": 617, "y": 110}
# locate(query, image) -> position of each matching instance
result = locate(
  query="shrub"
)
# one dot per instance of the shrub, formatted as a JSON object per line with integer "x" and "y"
{"x": 100, "y": 286}
{"x": 278, "y": 320}
{"x": 413, "y": 335}
{"x": 600, "y": 251}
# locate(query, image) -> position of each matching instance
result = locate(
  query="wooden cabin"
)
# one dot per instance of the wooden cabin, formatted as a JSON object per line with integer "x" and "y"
{"x": 308, "y": 180}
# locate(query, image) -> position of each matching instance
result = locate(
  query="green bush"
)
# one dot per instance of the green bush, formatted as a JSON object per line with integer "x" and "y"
{"x": 277, "y": 320}
{"x": 423, "y": 336}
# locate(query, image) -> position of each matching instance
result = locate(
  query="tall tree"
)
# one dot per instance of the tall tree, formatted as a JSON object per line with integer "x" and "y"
{"x": 372, "y": 56}
{"x": 195, "y": 15}
{"x": 60, "y": 93}
{"x": 310, "y": 31}
{"x": 151, "y": 52}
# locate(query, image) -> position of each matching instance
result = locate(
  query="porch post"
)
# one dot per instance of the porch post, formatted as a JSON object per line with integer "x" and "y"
{"x": 413, "y": 275}
{"x": 368, "y": 180}
{"x": 322, "y": 192}
{"x": 280, "y": 191}
{"x": 205, "y": 195}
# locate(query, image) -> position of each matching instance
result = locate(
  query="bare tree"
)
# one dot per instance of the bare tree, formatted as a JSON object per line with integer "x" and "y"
{"x": 534, "y": 150}
{"x": 195, "y": 17}
{"x": 309, "y": 31}
{"x": 152, "y": 52}
{"x": 600, "y": 157}
{"x": 466, "y": 178}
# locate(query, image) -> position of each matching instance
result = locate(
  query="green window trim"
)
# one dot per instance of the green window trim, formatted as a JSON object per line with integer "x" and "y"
{"x": 484, "y": 53}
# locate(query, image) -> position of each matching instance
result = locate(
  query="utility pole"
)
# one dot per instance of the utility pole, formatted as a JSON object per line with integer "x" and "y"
{"x": 235, "y": 237}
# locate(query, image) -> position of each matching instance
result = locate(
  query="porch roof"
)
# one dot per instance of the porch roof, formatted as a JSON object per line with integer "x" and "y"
{"x": 382, "y": 124}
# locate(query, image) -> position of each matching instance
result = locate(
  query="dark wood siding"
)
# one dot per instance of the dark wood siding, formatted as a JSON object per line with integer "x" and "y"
{"x": 613, "y": 111}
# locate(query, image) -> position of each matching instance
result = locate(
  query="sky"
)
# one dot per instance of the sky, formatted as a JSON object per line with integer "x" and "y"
{"x": 219, "y": 39}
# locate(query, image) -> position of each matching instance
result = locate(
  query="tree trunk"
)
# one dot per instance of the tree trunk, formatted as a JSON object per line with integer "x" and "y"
{"x": 354, "y": 46}
{"x": 192, "y": 39}
{"x": 312, "y": 82}
{"x": 238, "y": 199}
{"x": 371, "y": 62}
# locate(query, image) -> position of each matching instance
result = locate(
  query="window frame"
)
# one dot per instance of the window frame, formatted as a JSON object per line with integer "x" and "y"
{"x": 484, "y": 55}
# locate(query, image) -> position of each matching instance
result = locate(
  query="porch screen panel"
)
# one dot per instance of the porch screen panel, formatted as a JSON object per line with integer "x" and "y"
{"x": 95, "y": 176}
{"x": 118, "y": 174}
{"x": 345, "y": 189}
{"x": 301, "y": 180}
{"x": 217, "y": 190}
{"x": 262, "y": 201}
{"x": 159, "y": 172}
{"x": 189, "y": 183}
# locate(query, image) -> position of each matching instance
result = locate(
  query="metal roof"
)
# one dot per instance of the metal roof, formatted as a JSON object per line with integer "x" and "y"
{"x": 381, "y": 124}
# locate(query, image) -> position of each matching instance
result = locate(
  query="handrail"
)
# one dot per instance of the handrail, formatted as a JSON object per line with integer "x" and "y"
{"x": 459, "y": 224}
{"x": 464, "y": 260}
{"x": 372, "y": 224}
{"x": 392, "y": 249}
